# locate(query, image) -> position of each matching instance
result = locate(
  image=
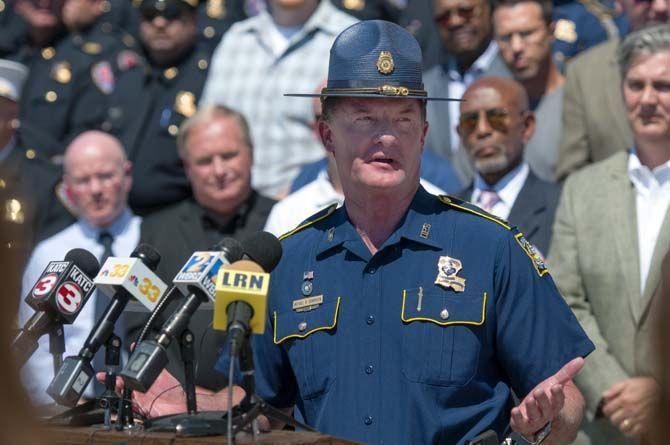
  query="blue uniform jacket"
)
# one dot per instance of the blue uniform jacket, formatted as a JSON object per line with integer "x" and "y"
{"x": 383, "y": 354}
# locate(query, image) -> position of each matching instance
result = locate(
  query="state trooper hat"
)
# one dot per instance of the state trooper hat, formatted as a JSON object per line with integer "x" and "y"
{"x": 12, "y": 77}
{"x": 169, "y": 7}
{"x": 375, "y": 58}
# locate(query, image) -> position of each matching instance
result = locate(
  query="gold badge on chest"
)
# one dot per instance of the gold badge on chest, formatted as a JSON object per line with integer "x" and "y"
{"x": 447, "y": 270}
{"x": 354, "y": 5}
{"x": 216, "y": 9}
{"x": 61, "y": 72}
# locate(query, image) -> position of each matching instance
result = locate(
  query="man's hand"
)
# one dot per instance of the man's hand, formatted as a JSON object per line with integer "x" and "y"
{"x": 544, "y": 402}
{"x": 629, "y": 405}
{"x": 166, "y": 397}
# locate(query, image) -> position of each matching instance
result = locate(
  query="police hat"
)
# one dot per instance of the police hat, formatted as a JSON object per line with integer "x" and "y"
{"x": 12, "y": 77}
{"x": 375, "y": 58}
{"x": 163, "y": 5}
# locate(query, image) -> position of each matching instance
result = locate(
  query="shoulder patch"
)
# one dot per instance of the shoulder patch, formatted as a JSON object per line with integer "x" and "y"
{"x": 318, "y": 216}
{"x": 465, "y": 206}
{"x": 535, "y": 256}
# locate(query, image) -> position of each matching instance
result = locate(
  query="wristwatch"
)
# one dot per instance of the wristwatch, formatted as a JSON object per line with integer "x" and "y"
{"x": 540, "y": 435}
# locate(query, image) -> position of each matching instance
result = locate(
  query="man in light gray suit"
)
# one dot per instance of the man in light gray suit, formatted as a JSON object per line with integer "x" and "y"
{"x": 611, "y": 232}
{"x": 466, "y": 32}
{"x": 594, "y": 119}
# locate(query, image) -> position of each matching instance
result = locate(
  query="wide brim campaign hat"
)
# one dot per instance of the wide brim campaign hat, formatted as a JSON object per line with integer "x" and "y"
{"x": 375, "y": 59}
{"x": 12, "y": 77}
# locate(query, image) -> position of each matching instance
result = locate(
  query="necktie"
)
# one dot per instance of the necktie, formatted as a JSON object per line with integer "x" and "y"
{"x": 105, "y": 239}
{"x": 488, "y": 199}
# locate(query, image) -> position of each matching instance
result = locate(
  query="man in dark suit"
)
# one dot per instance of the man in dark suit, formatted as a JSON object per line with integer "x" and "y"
{"x": 215, "y": 146}
{"x": 466, "y": 32}
{"x": 494, "y": 126}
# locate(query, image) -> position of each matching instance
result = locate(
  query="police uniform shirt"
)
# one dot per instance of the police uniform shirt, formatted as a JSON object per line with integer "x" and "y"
{"x": 370, "y": 348}
{"x": 145, "y": 111}
{"x": 61, "y": 96}
{"x": 14, "y": 30}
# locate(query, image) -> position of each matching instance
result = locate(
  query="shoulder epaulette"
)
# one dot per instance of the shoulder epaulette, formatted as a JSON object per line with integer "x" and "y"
{"x": 318, "y": 216}
{"x": 465, "y": 206}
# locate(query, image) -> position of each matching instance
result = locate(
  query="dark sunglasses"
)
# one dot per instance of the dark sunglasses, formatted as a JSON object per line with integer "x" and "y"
{"x": 496, "y": 117}
{"x": 464, "y": 12}
{"x": 168, "y": 10}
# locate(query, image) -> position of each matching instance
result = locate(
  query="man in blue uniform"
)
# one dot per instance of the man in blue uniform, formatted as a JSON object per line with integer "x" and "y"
{"x": 403, "y": 317}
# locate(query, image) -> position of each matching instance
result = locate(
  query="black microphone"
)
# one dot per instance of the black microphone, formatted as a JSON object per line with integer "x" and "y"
{"x": 58, "y": 297}
{"x": 76, "y": 372}
{"x": 242, "y": 289}
{"x": 196, "y": 279}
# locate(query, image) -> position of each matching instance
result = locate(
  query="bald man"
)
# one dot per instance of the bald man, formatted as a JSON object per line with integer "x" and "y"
{"x": 495, "y": 125}
{"x": 97, "y": 177}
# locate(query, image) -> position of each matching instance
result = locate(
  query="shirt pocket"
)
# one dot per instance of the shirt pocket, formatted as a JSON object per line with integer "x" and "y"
{"x": 441, "y": 336}
{"x": 311, "y": 343}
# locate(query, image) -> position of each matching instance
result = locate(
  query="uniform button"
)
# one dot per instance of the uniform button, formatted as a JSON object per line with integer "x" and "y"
{"x": 372, "y": 270}
{"x": 173, "y": 130}
{"x": 302, "y": 326}
{"x": 202, "y": 64}
{"x": 51, "y": 96}
{"x": 367, "y": 420}
{"x": 30, "y": 154}
{"x": 209, "y": 32}
{"x": 370, "y": 319}
{"x": 444, "y": 314}
{"x": 369, "y": 369}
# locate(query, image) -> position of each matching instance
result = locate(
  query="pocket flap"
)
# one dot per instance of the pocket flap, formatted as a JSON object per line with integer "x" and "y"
{"x": 444, "y": 308}
{"x": 292, "y": 324}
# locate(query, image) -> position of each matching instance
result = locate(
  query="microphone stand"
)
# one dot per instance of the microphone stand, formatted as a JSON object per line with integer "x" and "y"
{"x": 100, "y": 409}
{"x": 57, "y": 345}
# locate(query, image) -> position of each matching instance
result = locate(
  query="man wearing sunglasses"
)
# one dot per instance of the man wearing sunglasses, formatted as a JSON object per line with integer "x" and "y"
{"x": 495, "y": 125}
{"x": 149, "y": 102}
{"x": 594, "y": 117}
{"x": 466, "y": 32}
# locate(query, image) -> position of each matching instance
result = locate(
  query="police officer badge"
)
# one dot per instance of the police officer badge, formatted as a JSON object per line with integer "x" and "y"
{"x": 385, "y": 63}
{"x": 62, "y": 72}
{"x": 447, "y": 268}
{"x": 184, "y": 103}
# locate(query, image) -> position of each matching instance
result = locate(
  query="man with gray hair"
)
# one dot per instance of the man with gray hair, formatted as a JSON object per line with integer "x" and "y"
{"x": 216, "y": 148}
{"x": 608, "y": 245}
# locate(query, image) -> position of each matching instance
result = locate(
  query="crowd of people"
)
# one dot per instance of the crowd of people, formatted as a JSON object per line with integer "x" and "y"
{"x": 168, "y": 122}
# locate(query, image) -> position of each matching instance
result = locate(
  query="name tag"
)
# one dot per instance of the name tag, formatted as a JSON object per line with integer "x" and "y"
{"x": 307, "y": 304}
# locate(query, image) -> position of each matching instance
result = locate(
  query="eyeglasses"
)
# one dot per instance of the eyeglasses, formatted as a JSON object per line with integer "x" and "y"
{"x": 496, "y": 117}
{"x": 168, "y": 10}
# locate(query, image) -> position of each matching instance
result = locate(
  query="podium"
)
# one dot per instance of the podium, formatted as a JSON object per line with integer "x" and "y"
{"x": 96, "y": 435}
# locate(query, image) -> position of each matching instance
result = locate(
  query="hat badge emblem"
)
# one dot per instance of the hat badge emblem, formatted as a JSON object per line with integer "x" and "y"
{"x": 385, "y": 63}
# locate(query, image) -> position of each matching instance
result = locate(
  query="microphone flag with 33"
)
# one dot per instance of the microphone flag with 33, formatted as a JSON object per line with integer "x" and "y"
{"x": 242, "y": 288}
{"x": 121, "y": 279}
{"x": 196, "y": 280}
{"x": 58, "y": 297}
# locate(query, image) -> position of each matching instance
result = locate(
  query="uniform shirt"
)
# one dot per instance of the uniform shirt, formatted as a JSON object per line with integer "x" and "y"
{"x": 508, "y": 189}
{"x": 652, "y": 197}
{"x": 145, "y": 110}
{"x": 61, "y": 95}
{"x": 38, "y": 371}
{"x": 248, "y": 76}
{"x": 384, "y": 355}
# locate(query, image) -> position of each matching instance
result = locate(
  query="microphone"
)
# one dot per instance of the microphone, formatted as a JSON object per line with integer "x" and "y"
{"x": 57, "y": 297}
{"x": 196, "y": 279}
{"x": 121, "y": 279}
{"x": 242, "y": 289}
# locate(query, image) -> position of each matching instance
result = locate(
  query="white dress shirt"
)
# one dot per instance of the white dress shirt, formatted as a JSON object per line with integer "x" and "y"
{"x": 652, "y": 197}
{"x": 507, "y": 188}
{"x": 38, "y": 371}
{"x": 458, "y": 84}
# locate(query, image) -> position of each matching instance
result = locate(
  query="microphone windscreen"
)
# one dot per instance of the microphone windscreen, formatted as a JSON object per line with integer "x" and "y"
{"x": 231, "y": 248}
{"x": 84, "y": 260}
{"x": 264, "y": 248}
{"x": 149, "y": 256}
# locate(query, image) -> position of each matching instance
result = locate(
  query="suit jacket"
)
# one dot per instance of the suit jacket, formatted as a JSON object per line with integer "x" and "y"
{"x": 594, "y": 117}
{"x": 595, "y": 263}
{"x": 436, "y": 81}
{"x": 533, "y": 210}
{"x": 176, "y": 233}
